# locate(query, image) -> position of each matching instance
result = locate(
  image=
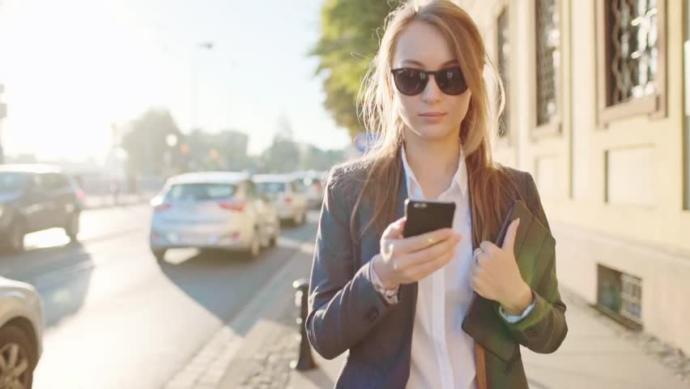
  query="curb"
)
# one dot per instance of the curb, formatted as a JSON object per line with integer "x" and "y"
{"x": 209, "y": 366}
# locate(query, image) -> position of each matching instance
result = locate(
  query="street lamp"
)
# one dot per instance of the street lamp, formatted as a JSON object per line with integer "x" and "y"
{"x": 208, "y": 45}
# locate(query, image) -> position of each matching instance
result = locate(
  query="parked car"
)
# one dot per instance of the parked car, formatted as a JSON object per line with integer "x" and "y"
{"x": 21, "y": 331}
{"x": 220, "y": 210}
{"x": 313, "y": 184}
{"x": 37, "y": 197}
{"x": 287, "y": 193}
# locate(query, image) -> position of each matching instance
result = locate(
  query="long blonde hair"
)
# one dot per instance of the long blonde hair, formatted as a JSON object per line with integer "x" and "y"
{"x": 489, "y": 183}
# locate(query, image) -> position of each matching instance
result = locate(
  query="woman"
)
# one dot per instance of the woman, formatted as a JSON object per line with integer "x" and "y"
{"x": 446, "y": 309}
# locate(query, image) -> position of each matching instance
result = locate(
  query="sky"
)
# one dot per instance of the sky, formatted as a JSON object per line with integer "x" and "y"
{"x": 75, "y": 69}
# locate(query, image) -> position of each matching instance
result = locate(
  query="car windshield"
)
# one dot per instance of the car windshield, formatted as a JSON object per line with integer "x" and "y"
{"x": 12, "y": 182}
{"x": 200, "y": 192}
{"x": 270, "y": 187}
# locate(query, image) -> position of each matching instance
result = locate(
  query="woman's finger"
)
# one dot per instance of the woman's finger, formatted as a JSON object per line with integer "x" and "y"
{"x": 394, "y": 230}
{"x": 429, "y": 253}
{"x": 488, "y": 247}
{"x": 481, "y": 257}
{"x": 420, "y": 242}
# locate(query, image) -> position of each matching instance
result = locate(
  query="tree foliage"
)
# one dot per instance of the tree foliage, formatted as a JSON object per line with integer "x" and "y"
{"x": 145, "y": 143}
{"x": 224, "y": 150}
{"x": 350, "y": 34}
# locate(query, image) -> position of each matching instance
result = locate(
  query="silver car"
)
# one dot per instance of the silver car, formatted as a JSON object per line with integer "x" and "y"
{"x": 215, "y": 210}
{"x": 21, "y": 330}
{"x": 286, "y": 191}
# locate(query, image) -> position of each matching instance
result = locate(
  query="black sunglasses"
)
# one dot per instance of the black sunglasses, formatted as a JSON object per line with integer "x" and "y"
{"x": 410, "y": 81}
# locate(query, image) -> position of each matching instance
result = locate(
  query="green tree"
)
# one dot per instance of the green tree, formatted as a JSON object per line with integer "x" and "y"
{"x": 147, "y": 150}
{"x": 225, "y": 150}
{"x": 350, "y": 33}
{"x": 283, "y": 155}
{"x": 314, "y": 158}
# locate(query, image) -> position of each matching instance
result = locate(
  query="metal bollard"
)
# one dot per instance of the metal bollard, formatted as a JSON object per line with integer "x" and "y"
{"x": 305, "y": 360}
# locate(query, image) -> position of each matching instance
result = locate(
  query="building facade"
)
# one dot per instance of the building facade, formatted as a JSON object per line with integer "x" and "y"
{"x": 597, "y": 111}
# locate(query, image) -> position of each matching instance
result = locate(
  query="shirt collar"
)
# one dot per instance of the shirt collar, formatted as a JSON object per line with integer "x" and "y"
{"x": 459, "y": 178}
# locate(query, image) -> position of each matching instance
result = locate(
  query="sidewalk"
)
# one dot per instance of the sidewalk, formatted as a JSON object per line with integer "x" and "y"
{"x": 597, "y": 352}
{"x": 263, "y": 359}
{"x": 103, "y": 201}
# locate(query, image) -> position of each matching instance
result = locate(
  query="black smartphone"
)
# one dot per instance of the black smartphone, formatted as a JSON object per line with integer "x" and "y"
{"x": 426, "y": 216}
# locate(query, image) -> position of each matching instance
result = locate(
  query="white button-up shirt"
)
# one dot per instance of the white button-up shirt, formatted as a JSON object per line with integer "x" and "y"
{"x": 442, "y": 353}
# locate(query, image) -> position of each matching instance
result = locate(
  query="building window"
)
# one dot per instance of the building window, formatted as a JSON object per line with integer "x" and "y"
{"x": 631, "y": 58}
{"x": 503, "y": 49}
{"x": 632, "y": 35}
{"x": 548, "y": 38}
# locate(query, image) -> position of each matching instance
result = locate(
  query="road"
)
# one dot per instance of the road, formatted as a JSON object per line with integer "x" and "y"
{"x": 115, "y": 318}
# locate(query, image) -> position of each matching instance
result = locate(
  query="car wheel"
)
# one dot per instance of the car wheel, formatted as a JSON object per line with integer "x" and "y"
{"x": 265, "y": 238}
{"x": 72, "y": 227}
{"x": 159, "y": 254}
{"x": 15, "y": 237}
{"x": 18, "y": 358}
{"x": 299, "y": 219}
{"x": 255, "y": 246}
{"x": 274, "y": 239}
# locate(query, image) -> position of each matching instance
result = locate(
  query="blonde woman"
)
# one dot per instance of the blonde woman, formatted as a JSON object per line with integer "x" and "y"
{"x": 400, "y": 305}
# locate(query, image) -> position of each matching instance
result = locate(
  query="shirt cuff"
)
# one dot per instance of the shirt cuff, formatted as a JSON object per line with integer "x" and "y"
{"x": 516, "y": 318}
{"x": 390, "y": 296}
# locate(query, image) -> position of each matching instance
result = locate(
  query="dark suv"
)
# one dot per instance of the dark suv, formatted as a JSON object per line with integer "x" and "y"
{"x": 36, "y": 197}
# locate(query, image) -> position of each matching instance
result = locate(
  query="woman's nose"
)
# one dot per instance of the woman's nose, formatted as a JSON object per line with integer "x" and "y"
{"x": 431, "y": 92}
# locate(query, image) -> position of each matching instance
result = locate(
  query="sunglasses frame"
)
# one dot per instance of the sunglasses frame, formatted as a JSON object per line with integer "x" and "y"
{"x": 425, "y": 82}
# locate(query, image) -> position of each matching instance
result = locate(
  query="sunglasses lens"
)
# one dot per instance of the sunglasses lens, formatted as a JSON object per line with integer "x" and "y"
{"x": 451, "y": 81}
{"x": 410, "y": 81}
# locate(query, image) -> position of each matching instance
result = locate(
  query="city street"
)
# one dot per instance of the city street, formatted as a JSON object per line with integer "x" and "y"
{"x": 115, "y": 318}
{"x": 134, "y": 140}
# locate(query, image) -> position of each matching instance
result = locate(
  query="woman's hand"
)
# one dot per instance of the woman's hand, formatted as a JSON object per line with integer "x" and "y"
{"x": 497, "y": 277}
{"x": 406, "y": 260}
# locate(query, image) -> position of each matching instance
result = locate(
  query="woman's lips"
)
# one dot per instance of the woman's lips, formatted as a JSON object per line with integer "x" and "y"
{"x": 432, "y": 113}
{"x": 432, "y": 117}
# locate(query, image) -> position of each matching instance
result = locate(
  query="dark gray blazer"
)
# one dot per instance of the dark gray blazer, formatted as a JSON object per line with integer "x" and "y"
{"x": 346, "y": 313}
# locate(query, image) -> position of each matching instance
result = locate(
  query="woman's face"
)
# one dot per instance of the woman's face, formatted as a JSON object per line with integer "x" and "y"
{"x": 431, "y": 115}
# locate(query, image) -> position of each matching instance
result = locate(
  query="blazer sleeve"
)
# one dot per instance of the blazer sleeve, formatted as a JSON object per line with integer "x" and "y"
{"x": 544, "y": 328}
{"x": 343, "y": 304}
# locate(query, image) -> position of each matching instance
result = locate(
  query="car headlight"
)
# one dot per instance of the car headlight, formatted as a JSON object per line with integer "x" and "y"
{"x": 2, "y": 211}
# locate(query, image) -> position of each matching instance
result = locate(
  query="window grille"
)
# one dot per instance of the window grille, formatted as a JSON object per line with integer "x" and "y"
{"x": 503, "y": 55}
{"x": 548, "y": 59}
{"x": 632, "y": 34}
